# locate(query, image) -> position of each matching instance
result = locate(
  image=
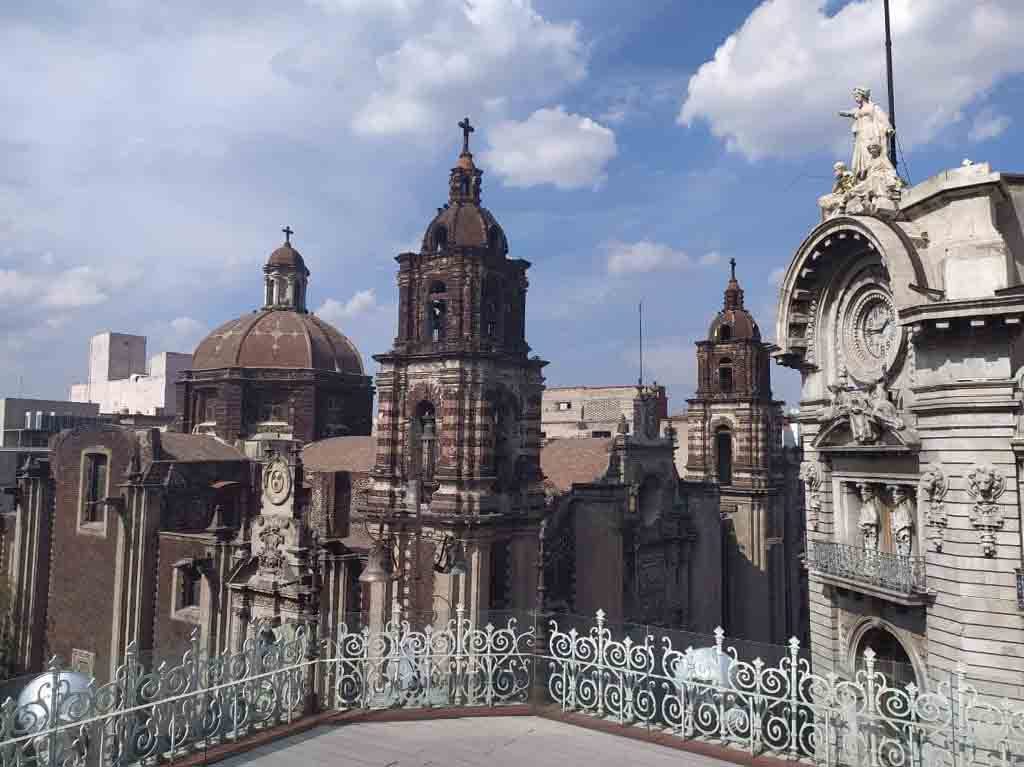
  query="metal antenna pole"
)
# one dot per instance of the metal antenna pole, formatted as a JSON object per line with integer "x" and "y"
{"x": 892, "y": 96}
{"x": 640, "y": 381}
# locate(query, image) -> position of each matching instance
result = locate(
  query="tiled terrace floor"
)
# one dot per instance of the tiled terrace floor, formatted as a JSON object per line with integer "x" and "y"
{"x": 497, "y": 741}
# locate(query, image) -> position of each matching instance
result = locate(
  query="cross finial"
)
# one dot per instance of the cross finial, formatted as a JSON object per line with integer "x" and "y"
{"x": 732, "y": 266}
{"x": 466, "y": 130}
{"x": 288, "y": 232}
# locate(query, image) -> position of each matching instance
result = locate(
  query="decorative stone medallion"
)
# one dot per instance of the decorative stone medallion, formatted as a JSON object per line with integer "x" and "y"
{"x": 277, "y": 481}
{"x": 868, "y": 335}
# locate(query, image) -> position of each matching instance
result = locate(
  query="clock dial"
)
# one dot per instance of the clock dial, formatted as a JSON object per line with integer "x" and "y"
{"x": 869, "y": 334}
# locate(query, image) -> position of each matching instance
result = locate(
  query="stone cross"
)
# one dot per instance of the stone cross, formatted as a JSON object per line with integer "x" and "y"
{"x": 288, "y": 232}
{"x": 466, "y": 130}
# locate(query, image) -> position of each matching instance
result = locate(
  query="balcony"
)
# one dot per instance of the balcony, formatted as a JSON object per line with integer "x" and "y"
{"x": 890, "y": 576}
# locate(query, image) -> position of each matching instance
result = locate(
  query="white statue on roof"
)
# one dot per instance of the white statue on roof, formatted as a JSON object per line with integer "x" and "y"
{"x": 870, "y": 126}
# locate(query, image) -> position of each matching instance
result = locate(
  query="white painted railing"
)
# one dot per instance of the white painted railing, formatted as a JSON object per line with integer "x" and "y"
{"x": 708, "y": 693}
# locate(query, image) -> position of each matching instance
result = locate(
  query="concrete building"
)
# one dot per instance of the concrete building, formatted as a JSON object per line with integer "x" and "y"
{"x": 592, "y": 411}
{"x": 122, "y": 381}
{"x": 903, "y": 317}
{"x": 26, "y": 426}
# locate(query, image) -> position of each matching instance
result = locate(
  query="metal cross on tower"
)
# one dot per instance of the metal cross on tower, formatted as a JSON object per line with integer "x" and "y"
{"x": 466, "y": 130}
{"x": 288, "y": 232}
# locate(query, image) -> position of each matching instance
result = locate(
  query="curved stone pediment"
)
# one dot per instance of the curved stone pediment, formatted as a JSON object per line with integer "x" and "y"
{"x": 810, "y": 271}
{"x": 838, "y": 436}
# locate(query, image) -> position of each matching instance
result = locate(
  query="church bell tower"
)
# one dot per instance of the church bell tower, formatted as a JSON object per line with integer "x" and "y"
{"x": 458, "y": 424}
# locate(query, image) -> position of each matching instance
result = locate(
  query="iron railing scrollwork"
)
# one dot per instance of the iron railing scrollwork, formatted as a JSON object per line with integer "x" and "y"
{"x": 708, "y": 693}
{"x": 905, "y": 575}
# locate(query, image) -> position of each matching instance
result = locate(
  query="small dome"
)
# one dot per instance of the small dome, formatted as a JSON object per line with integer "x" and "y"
{"x": 287, "y": 256}
{"x": 278, "y": 338}
{"x": 464, "y": 225}
{"x": 734, "y": 325}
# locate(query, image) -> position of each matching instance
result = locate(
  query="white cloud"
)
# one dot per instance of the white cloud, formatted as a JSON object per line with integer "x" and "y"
{"x": 551, "y": 146}
{"x": 334, "y": 312}
{"x": 774, "y": 86}
{"x": 670, "y": 361}
{"x": 988, "y": 124}
{"x": 469, "y": 54}
{"x": 647, "y": 256}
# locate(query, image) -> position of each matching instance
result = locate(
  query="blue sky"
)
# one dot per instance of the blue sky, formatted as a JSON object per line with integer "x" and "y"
{"x": 150, "y": 154}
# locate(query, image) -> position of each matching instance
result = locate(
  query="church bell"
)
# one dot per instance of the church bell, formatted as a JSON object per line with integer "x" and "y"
{"x": 377, "y": 570}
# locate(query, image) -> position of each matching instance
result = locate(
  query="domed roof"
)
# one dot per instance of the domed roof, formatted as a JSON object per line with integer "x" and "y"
{"x": 464, "y": 225}
{"x": 464, "y": 222}
{"x": 288, "y": 256}
{"x": 278, "y": 338}
{"x": 733, "y": 323}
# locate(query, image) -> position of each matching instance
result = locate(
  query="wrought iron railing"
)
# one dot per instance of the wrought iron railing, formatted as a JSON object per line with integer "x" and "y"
{"x": 905, "y": 575}
{"x": 706, "y": 693}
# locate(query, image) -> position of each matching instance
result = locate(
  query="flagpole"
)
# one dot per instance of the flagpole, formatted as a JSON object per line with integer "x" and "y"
{"x": 892, "y": 96}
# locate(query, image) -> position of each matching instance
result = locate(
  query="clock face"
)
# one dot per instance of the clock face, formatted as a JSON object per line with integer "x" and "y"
{"x": 870, "y": 337}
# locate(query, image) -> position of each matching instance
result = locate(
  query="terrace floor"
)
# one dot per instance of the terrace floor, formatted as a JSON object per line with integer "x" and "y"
{"x": 494, "y": 741}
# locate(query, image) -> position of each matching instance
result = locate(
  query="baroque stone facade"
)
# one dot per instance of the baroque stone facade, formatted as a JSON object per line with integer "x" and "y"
{"x": 735, "y": 434}
{"x": 905, "y": 326}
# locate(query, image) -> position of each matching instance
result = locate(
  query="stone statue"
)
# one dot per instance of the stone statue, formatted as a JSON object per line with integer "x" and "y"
{"x": 902, "y": 520}
{"x": 868, "y": 521}
{"x": 870, "y": 126}
{"x": 877, "y": 188}
{"x": 867, "y": 414}
{"x": 931, "y": 490}
{"x": 811, "y": 476}
{"x": 834, "y": 203}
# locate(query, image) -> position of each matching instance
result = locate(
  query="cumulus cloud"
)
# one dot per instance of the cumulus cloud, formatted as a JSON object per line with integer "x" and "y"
{"x": 647, "y": 256}
{"x": 334, "y": 311}
{"x": 475, "y": 52}
{"x": 988, "y": 124}
{"x": 71, "y": 288}
{"x": 551, "y": 146}
{"x": 774, "y": 86}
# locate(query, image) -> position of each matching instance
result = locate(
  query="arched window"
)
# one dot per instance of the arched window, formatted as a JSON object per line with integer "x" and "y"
{"x": 464, "y": 186}
{"x": 440, "y": 237}
{"x": 649, "y": 500}
{"x": 890, "y": 657}
{"x": 724, "y": 332}
{"x": 505, "y": 425}
{"x": 723, "y": 455}
{"x": 725, "y": 382}
{"x": 437, "y": 311}
{"x": 423, "y": 445}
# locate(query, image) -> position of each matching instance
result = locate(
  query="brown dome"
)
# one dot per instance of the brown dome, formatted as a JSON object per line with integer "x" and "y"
{"x": 278, "y": 338}
{"x": 464, "y": 225}
{"x": 733, "y": 323}
{"x": 288, "y": 256}
{"x": 740, "y": 326}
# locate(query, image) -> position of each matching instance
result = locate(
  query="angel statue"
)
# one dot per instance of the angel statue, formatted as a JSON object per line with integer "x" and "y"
{"x": 870, "y": 126}
{"x": 834, "y": 203}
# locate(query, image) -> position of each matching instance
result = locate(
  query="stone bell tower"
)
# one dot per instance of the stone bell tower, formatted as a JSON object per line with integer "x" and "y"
{"x": 735, "y": 442}
{"x": 458, "y": 427}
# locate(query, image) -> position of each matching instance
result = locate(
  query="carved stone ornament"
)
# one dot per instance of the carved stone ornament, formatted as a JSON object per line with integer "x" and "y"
{"x": 868, "y": 413}
{"x": 271, "y": 540}
{"x": 931, "y": 490}
{"x": 277, "y": 481}
{"x": 810, "y": 473}
{"x": 902, "y": 520}
{"x": 868, "y": 335}
{"x": 868, "y": 518}
{"x": 985, "y": 484}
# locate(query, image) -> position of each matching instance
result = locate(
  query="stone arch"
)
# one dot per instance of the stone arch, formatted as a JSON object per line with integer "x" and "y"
{"x": 864, "y": 627}
{"x": 812, "y": 269}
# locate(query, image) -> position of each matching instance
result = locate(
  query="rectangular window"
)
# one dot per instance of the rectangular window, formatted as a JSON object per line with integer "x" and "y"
{"x": 565, "y": 406}
{"x": 271, "y": 412}
{"x": 94, "y": 489}
{"x": 602, "y": 434}
{"x": 191, "y": 582}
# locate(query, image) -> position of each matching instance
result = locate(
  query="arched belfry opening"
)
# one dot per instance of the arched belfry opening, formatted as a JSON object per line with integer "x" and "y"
{"x": 723, "y": 455}
{"x": 437, "y": 311}
{"x": 423, "y": 433}
{"x": 726, "y": 383}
